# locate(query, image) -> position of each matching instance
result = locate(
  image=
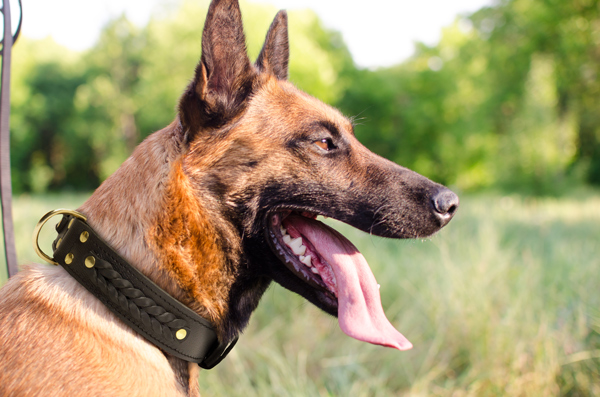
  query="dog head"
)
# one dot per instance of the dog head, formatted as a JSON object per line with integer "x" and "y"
{"x": 266, "y": 159}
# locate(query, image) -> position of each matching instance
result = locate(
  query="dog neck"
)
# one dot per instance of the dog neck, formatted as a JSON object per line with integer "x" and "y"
{"x": 147, "y": 211}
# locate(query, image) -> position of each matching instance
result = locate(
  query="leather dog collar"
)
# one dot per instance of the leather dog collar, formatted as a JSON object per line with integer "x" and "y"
{"x": 130, "y": 295}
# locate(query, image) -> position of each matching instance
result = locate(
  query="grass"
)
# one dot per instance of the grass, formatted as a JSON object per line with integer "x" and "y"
{"x": 504, "y": 301}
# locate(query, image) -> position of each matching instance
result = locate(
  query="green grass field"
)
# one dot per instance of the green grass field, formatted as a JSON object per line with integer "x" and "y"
{"x": 504, "y": 301}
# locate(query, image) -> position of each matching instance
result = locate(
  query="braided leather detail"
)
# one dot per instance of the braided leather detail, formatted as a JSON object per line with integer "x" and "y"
{"x": 134, "y": 298}
{"x": 142, "y": 308}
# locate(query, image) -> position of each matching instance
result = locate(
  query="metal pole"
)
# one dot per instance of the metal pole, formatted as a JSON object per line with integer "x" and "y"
{"x": 5, "y": 181}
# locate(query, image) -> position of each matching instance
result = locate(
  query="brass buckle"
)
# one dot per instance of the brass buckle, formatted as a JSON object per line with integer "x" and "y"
{"x": 40, "y": 225}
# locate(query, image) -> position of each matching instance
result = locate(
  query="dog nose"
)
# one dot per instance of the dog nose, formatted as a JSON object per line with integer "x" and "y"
{"x": 445, "y": 203}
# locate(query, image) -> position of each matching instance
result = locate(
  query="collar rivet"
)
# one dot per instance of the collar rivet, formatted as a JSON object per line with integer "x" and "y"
{"x": 84, "y": 236}
{"x": 181, "y": 334}
{"x": 186, "y": 324}
{"x": 90, "y": 261}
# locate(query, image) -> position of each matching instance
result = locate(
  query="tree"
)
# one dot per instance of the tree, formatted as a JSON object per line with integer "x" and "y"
{"x": 76, "y": 118}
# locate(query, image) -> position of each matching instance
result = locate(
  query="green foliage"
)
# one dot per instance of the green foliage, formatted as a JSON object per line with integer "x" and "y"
{"x": 76, "y": 117}
{"x": 47, "y": 151}
{"x": 507, "y": 99}
{"x": 503, "y": 301}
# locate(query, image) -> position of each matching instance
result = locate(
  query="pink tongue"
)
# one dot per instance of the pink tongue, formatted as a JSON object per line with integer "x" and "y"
{"x": 360, "y": 313}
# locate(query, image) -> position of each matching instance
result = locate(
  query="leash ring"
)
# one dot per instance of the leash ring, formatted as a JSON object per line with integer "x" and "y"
{"x": 40, "y": 225}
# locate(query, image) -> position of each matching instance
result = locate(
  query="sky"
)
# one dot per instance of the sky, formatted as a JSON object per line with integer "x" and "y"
{"x": 377, "y": 32}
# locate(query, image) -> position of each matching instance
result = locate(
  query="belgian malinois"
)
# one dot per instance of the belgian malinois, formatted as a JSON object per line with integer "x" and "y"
{"x": 213, "y": 208}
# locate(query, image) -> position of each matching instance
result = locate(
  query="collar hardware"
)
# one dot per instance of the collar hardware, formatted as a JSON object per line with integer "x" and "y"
{"x": 40, "y": 225}
{"x": 129, "y": 294}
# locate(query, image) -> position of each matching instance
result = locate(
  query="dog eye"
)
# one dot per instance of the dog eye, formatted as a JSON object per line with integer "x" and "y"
{"x": 325, "y": 144}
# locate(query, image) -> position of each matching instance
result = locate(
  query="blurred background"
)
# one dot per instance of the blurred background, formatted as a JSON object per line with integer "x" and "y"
{"x": 505, "y": 96}
{"x": 498, "y": 99}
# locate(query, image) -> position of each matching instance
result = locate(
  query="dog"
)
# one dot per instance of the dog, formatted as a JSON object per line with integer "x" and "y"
{"x": 213, "y": 208}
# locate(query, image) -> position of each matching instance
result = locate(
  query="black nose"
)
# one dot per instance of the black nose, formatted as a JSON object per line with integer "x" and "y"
{"x": 445, "y": 203}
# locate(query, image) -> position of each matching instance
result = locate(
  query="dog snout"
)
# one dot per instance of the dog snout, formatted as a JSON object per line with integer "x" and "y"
{"x": 445, "y": 203}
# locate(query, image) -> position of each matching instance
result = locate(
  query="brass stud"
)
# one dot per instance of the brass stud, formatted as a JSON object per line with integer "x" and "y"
{"x": 84, "y": 236}
{"x": 69, "y": 258}
{"x": 58, "y": 242}
{"x": 90, "y": 261}
{"x": 71, "y": 223}
{"x": 181, "y": 334}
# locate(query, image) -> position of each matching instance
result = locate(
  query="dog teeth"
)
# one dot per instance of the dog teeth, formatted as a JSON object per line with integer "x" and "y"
{"x": 296, "y": 246}
{"x": 314, "y": 270}
{"x": 300, "y": 251}
{"x": 307, "y": 260}
{"x": 296, "y": 243}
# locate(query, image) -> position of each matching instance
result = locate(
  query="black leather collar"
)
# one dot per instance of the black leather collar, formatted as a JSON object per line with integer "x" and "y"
{"x": 135, "y": 299}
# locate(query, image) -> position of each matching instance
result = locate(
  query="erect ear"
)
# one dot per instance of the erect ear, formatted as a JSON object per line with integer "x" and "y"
{"x": 275, "y": 54}
{"x": 224, "y": 76}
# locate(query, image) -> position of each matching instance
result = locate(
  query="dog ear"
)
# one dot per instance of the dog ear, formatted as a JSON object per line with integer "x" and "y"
{"x": 275, "y": 54}
{"x": 224, "y": 76}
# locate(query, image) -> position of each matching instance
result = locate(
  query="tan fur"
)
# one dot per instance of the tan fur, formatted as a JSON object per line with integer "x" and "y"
{"x": 157, "y": 212}
{"x": 81, "y": 348}
{"x": 185, "y": 242}
{"x": 149, "y": 212}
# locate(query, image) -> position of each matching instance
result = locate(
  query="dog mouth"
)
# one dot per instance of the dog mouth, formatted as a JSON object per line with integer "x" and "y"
{"x": 333, "y": 267}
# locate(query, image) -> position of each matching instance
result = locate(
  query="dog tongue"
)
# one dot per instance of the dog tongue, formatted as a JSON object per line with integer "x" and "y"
{"x": 360, "y": 313}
